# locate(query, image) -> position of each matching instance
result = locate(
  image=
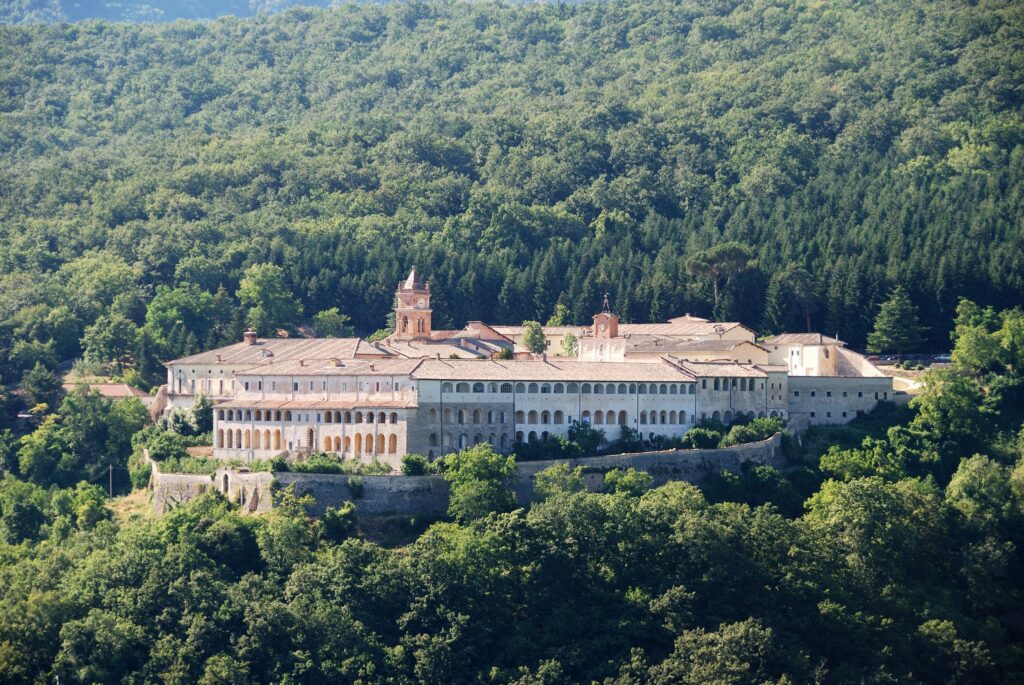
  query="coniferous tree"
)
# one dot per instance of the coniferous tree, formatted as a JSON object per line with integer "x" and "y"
{"x": 896, "y": 326}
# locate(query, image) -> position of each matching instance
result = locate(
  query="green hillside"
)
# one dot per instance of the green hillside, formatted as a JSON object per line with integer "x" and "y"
{"x": 520, "y": 156}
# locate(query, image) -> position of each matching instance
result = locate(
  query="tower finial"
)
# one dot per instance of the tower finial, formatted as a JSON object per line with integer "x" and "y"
{"x": 605, "y": 307}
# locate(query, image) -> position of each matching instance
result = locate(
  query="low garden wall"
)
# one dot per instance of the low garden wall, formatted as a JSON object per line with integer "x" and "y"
{"x": 378, "y": 496}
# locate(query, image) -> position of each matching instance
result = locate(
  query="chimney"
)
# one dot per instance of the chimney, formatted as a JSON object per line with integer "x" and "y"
{"x": 249, "y": 336}
{"x": 218, "y": 357}
{"x": 302, "y": 362}
{"x": 371, "y": 366}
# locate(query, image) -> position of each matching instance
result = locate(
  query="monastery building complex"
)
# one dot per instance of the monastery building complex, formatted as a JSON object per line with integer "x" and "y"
{"x": 433, "y": 392}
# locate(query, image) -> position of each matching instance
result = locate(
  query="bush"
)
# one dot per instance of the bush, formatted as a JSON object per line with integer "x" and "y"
{"x": 356, "y": 487}
{"x": 701, "y": 438}
{"x": 629, "y": 482}
{"x": 479, "y": 479}
{"x": 415, "y": 465}
{"x": 337, "y": 523}
{"x": 760, "y": 428}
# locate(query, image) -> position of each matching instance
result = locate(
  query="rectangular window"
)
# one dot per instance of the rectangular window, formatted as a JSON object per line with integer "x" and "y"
{"x": 704, "y": 383}
{"x": 273, "y": 385}
{"x": 247, "y": 385}
{"x": 796, "y": 393}
{"x": 259, "y": 385}
{"x": 295, "y": 386}
{"x": 844, "y": 393}
{"x": 885, "y": 395}
{"x": 828, "y": 393}
{"x": 814, "y": 393}
{"x": 828, "y": 414}
{"x": 860, "y": 393}
{"x": 812, "y": 414}
{"x": 844, "y": 414}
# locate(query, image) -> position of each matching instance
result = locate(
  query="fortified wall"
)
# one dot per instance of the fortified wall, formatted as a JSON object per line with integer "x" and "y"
{"x": 380, "y": 496}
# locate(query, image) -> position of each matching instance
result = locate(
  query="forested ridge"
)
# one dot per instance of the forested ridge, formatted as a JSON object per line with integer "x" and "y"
{"x": 892, "y": 556}
{"x": 519, "y": 156}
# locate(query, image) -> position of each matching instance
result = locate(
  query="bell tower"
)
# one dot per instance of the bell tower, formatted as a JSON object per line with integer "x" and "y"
{"x": 412, "y": 309}
{"x": 606, "y": 324}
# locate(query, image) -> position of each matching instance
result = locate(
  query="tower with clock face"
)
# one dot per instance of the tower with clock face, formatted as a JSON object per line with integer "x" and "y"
{"x": 412, "y": 311}
{"x": 606, "y": 324}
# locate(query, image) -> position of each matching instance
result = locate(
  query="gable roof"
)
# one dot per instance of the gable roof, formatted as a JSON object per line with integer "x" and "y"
{"x": 802, "y": 339}
{"x": 282, "y": 349}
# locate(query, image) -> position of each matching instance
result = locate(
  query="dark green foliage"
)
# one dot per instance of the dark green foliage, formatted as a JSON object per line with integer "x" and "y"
{"x": 701, "y": 438}
{"x": 527, "y": 156}
{"x": 760, "y": 428}
{"x": 480, "y": 482}
{"x": 415, "y": 465}
{"x": 629, "y": 482}
{"x": 337, "y": 523}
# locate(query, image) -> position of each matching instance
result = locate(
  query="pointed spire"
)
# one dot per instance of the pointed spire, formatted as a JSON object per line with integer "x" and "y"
{"x": 411, "y": 283}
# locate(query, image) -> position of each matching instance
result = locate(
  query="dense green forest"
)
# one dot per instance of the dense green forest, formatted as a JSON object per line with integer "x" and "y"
{"x": 31, "y": 11}
{"x": 893, "y": 558}
{"x": 519, "y": 155}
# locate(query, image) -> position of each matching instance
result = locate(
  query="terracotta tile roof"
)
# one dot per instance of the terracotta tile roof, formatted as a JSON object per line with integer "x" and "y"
{"x": 802, "y": 339}
{"x": 534, "y": 370}
{"x": 317, "y": 404}
{"x": 668, "y": 344}
{"x": 680, "y": 329}
{"x": 326, "y": 367}
{"x": 719, "y": 369}
{"x": 280, "y": 349}
{"x": 117, "y": 391}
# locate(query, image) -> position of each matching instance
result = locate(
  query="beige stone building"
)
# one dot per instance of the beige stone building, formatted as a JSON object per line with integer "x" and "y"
{"x": 431, "y": 392}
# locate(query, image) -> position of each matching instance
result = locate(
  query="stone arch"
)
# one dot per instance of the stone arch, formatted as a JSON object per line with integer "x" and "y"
{"x": 609, "y": 417}
{"x": 381, "y": 441}
{"x": 337, "y": 444}
{"x": 476, "y": 416}
{"x": 672, "y": 417}
{"x": 520, "y": 416}
{"x": 277, "y": 439}
{"x": 432, "y": 440}
{"x": 393, "y": 417}
{"x": 220, "y": 437}
{"x": 532, "y": 437}
{"x": 359, "y": 443}
{"x": 585, "y": 417}
{"x": 682, "y": 417}
{"x": 532, "y": 416}
{"x": 256, "y": 439}
{"x": 238, "y": 438}
{"x": 598, "y": 418}
{"x": 623, "y": 417}
{"x": 643, "y": 417}
{"x": 727, "y": 418}
{"x": 716, "y": 415}
{"x": 347, "y": 444}
{"x": 559, "y": 417}
{"x": 664, "y": 417}
{"x": 327, "y": 443}
{"x": 392, "y": 443}
{"x": 545, "y": 417}
{"x": 382, "y": 418}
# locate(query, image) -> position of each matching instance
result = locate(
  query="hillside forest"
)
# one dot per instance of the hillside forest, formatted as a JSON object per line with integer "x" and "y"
{"x": 781, "y": 163}
{"x": 886, "y": 551}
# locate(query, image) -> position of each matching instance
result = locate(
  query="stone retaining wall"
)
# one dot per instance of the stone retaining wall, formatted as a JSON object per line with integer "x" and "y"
{"x": 377, "y": 496}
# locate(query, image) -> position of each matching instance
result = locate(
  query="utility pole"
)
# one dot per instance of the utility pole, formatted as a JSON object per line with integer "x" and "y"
{"x": 110, "y": 480}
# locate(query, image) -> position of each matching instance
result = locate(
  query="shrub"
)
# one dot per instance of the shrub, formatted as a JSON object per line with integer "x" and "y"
{"x": 701, "y": 438}
{"x": 479, "y": 479}
{"x": 760, "y": 428}
{"x": 557, "y": 480}
{"x": 337, "y": 523}
{"x": 415, "y": 465}
{"x": 629, "y": 482}
{"x": 356, "y": 487}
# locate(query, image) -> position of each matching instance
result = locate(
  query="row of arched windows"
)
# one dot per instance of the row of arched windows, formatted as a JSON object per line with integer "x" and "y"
{"x": 327, "y": 417}
{"x": 584, "y": 388}
{"x": 368, "y": 445}
{"x": 741, "y": 384}
{"x": 669, "y": 418}
{"x": 463, "y": 441}
{"x": 461, "y": 416}
{"x": 244, "y": 440}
